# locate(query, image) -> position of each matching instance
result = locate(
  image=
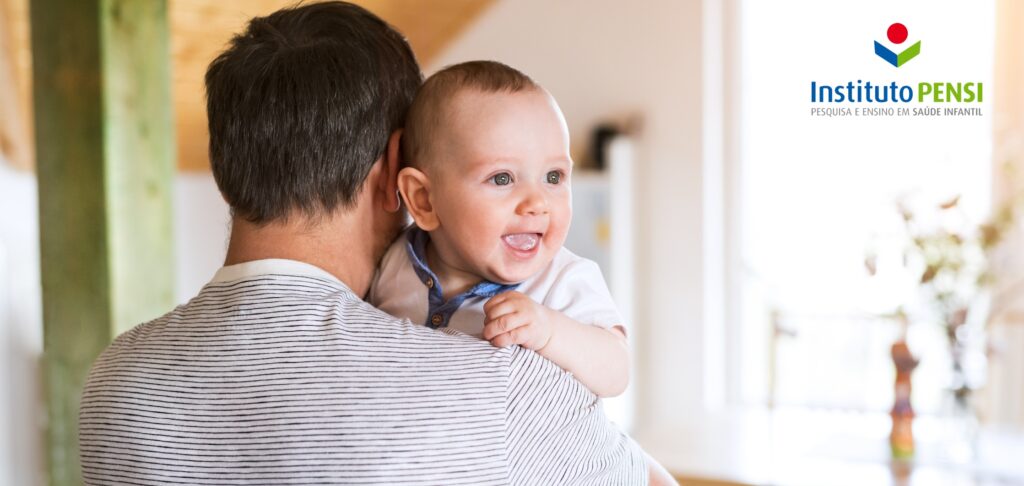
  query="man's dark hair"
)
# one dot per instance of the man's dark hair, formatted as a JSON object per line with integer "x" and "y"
{"x": 302, "y": 104}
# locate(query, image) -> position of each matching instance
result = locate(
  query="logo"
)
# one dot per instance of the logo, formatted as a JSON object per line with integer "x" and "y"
{"x": 897, "y": 34}
{"x": 855, "y": 96}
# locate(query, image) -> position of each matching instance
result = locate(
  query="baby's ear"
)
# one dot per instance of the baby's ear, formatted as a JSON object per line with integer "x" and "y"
{"x": 415, "y": 188}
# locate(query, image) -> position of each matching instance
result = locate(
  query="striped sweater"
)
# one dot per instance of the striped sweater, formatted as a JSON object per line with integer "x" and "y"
{"x": 276, "y": 373}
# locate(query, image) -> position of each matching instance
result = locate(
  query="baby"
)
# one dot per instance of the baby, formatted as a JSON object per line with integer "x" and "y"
{"x": 487, "y": 183}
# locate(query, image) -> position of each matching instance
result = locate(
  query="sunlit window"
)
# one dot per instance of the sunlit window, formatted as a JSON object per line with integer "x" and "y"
{"x": 818, "y": 193}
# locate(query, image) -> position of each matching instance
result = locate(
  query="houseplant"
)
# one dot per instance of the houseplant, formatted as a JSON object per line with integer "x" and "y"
{"x": 951, "y": 261}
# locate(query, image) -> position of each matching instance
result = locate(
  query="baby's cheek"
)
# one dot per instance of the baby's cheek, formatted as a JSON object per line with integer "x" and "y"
{"x": 562, "y": 209}
{"x": 560, "y": 227}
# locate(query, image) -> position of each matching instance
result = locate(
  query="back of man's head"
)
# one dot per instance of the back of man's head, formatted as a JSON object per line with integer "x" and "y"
{"x": 301, "y": 104}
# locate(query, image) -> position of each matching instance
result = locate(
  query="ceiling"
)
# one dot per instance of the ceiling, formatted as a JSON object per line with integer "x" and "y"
{"x": 199, "y": 30}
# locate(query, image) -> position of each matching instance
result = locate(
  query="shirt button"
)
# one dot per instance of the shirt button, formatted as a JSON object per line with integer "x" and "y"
{"x": 436, "y": 319}
{"x": 430, "y": 283}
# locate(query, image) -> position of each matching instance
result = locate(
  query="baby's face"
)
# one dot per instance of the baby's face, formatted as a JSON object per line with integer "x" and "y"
{"x": 500, "y": 184}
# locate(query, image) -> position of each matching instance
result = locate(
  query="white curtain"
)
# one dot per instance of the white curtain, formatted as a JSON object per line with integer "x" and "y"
{"x": 1004, "y": 395}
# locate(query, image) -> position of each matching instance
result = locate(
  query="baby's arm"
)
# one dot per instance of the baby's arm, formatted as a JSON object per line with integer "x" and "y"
{"x": 597, "y": 357}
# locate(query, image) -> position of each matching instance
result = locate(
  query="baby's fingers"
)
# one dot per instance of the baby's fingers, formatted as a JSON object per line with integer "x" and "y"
{"x": 494, "y": 301}
{"x": 496, "y": 308}
{"x": 509, "y": 338}
{"x": 501, "y": 310}
{"x": 502, "y": 325}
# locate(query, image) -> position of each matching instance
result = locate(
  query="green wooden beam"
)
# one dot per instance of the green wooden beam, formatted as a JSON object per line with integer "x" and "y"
{"x": 104, "y": 145}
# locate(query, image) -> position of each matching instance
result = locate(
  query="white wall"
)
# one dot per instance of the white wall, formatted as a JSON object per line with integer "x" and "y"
{"x": 21, "y": 332}
{"x": 201, "y": 228}
{"x": 607, "y": 59}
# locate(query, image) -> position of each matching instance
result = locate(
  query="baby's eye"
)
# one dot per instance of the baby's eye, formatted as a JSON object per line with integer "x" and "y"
{"x": 554, "y": 177}
{"x": 502, "y": 179}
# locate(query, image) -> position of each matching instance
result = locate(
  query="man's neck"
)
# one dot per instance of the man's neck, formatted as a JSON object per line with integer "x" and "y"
{"x": 328, "y": 244}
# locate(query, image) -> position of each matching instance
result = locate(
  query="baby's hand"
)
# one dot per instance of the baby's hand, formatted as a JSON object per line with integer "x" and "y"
{"x": 513, "y": 318}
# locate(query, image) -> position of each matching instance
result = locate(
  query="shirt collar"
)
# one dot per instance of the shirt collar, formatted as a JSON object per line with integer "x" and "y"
{"x": 416, "y": 246}
{"x": 272, "y": 266}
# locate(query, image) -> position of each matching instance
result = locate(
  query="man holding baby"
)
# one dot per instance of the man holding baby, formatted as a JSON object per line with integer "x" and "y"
{"x": 278, "y": 372}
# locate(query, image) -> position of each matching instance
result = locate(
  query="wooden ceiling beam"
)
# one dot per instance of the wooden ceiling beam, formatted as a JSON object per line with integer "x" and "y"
{"x": 15, "y": 122}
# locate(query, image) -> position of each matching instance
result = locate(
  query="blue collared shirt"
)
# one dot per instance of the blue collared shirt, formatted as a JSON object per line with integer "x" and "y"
{"x": 439, "y": 311}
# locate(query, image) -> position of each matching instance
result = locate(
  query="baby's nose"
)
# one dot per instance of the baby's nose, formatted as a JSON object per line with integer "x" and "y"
{"x": 535, "y": 203}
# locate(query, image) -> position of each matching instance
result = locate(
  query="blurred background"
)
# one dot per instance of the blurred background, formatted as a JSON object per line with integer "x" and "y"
{"x": 776, "y": 265}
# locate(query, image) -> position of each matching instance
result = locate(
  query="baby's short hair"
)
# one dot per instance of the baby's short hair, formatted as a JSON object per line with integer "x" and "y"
{"x": 428, "y": 108}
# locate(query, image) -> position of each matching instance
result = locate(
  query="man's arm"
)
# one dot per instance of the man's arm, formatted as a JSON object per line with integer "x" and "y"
{"x": 558, "y": 432}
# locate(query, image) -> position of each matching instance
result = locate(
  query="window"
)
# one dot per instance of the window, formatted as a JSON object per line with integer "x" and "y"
{"x": 817, "y": 192}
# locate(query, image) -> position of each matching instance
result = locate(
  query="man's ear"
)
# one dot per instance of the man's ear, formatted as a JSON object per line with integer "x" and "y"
{"x": 415, "y": 187}
{"x": 388, "y": 183}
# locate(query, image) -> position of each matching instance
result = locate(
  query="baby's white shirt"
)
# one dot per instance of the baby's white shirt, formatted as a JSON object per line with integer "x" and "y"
{"x": 569, "y": 284}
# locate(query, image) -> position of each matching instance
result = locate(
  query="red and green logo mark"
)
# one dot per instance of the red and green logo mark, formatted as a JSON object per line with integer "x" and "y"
{"x": 897, "y": 34}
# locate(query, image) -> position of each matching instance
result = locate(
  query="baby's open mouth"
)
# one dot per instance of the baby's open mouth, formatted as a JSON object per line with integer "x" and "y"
{"x": 522, "y": 241}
